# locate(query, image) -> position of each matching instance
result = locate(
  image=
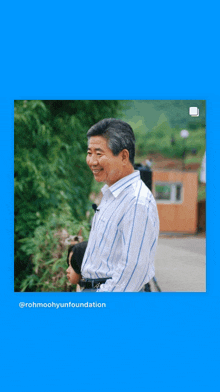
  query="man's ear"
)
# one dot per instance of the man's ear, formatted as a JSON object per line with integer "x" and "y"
{"x": 125, "y": 156}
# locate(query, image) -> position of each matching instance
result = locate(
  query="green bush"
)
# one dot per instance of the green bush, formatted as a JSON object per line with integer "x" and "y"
{"x": 47, "y": 252}
{"x": 50, "y": 168}
{"x": 159, "y": 140}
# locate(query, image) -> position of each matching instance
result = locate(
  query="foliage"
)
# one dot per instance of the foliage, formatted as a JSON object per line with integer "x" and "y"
{"x": 176, "y": 113}
{"x": 50, "y": 165}
{"x": 159, "y": 140}
{"x": 201, "y": 191}
{"x": 156, "y": 122}
{"x": 96, "y": 187}
{"x": 140, "y": 132}
{"x": 48, "y": 252}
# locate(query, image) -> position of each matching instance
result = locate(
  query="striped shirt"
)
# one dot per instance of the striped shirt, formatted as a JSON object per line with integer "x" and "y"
{"x": 123, "y": 238}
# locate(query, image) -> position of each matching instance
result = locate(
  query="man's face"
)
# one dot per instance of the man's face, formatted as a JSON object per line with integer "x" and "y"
{"x": 105, "y": 166}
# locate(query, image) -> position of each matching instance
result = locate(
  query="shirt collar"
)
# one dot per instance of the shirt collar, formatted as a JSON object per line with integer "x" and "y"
{"x": 123, "y": 183}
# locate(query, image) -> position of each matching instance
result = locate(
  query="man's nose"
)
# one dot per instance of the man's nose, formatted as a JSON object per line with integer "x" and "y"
{"x": 92, "y": 160}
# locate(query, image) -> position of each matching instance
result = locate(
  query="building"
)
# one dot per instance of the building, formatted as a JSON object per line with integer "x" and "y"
{"x": 176, "y": 196}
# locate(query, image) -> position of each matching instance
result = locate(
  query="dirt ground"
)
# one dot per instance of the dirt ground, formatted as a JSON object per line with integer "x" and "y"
{"x": 181, "y": 264}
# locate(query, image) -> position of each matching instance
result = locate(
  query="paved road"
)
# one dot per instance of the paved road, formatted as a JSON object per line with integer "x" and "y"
{"x": 181, "y": 264}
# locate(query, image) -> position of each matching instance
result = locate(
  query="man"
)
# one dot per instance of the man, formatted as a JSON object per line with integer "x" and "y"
{"x": 124, "y": 233}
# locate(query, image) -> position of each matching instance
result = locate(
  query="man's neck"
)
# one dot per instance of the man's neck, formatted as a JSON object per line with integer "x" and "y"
{"x": 126, "y": 172}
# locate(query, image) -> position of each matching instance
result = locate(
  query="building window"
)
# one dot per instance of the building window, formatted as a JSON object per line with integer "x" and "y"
{"x": 168, "y": 192}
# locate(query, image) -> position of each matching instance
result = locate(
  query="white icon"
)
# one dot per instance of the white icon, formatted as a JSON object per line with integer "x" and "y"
{"x": 194, "y": 112}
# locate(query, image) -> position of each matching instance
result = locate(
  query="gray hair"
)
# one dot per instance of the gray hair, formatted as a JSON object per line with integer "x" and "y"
{"x": 118, "y": 133}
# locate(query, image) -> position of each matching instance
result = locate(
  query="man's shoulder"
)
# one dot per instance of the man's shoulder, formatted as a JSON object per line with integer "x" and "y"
{"x": 142, "y": 192}
{"x": 138, "y": 196}
{"x": 136, "y": 193}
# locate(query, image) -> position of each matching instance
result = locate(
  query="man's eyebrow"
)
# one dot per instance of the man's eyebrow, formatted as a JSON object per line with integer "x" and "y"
{"x": 96, "y": 149}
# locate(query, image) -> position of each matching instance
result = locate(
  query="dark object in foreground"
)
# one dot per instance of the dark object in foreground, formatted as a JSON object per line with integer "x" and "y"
{"x": 147, "y": 286}
{"x": 78, "y": 250}
{"x": 92, "y": 283}
{"x": 145, "y": 173}
{"x": 156, "y": 284}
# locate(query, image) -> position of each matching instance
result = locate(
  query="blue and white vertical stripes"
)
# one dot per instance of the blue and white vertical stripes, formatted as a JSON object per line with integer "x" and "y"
{"x": 123, "y": 238}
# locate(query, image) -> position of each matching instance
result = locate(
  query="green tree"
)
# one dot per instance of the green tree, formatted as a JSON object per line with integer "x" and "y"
{"x": 51, "y": 175}
{"x": 156, "y": 122}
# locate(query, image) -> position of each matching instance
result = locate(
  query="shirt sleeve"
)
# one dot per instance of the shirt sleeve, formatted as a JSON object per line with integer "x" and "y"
{"x": 139, "y": 230}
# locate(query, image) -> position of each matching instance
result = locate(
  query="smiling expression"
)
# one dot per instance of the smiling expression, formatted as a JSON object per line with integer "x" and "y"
{"x": 105, "y": 166}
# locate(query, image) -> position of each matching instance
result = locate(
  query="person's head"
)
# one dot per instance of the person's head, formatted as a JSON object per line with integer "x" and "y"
{"x": 111, "y": 150}
{"x": 74, "y": 261}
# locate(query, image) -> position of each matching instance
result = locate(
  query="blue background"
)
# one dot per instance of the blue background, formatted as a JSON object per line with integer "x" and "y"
{"x": 110, "y": 51}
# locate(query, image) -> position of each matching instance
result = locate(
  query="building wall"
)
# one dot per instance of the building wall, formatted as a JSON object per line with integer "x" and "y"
{"x": 202, "y": 215}
{"x": 182, "y": 216}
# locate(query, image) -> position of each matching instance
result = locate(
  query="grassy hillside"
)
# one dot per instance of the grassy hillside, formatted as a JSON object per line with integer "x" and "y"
{"x": 157, "y": 123}
{"x": 157, "y": 126}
